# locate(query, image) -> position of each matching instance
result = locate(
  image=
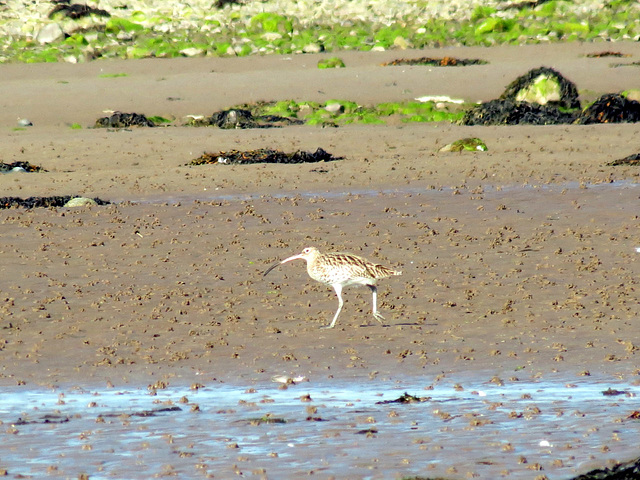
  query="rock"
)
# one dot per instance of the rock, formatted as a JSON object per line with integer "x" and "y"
{"x": 49, "y": 33}
{"x": 192, "y": 52}
{"x": 80, "y": 202}
{"x": 312, "y": 48}
{"x": 542, "y": 90}
{"x": 25, "y": 122}
{"x": 543, "y": 86}
{"x": 465, "y": 144}
{"x": 272, "y": 36}
{"x": 334, "y": 108}
{"x": 401, "y": 43}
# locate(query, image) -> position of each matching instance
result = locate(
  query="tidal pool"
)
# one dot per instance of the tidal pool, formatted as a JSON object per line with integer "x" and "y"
{"x": 327, "y": 429}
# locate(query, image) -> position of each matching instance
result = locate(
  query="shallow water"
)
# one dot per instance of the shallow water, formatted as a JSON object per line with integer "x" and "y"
{"x": 216, "y": 195}
{"x": 517, "y": 430}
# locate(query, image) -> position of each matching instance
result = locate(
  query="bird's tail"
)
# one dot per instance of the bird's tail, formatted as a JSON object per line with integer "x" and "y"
{"x": 380, "y": 271}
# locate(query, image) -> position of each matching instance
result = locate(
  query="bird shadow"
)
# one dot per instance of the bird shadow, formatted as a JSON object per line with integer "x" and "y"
{"x": 400, "y": 324}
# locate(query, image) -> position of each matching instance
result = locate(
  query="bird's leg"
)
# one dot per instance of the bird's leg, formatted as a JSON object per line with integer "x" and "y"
{"x": 338, "y": 288}
{"x": 376, "y": 315}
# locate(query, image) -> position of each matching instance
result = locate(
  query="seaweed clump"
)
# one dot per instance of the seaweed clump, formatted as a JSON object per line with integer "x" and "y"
{"x": 124, "y": 120}
{"x": 508, "y": 112}
{"x": 242, "y": 118}
{"x": 542, "y": 96}
{"x": 75, "y": 11}
{"x": 633, "y": 160}
{"x": 544, "y": 86}
{"x": 263, "y": 155}
{"x": 437, "y": 62}
{"x": 611, "y": 108}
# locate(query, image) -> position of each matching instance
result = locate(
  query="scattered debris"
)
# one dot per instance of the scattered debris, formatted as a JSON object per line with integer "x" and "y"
{"x": 611, "y": 108}
{"x": 266, "y": 419}
{"x": 143, "y": 413}
{"x": 48, "y": 418}
{"x": 465, "y": 144}
{"x": 19, "y": 167}
{"x": 263, "y": 155}
{"x": 124, "y": 120}
{"x": 405, "y": 398}
{"x": 37, "y": 202}
{"x": 437, "y": 62}
{"x": 288, "y": 380}
{"x": 611, "y": 392}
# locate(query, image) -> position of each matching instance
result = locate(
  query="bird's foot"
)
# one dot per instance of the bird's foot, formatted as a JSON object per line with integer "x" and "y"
{"x": 379, "y": 318}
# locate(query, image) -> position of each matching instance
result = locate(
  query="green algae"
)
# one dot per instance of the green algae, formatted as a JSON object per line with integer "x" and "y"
{"x": 141, "y": 35}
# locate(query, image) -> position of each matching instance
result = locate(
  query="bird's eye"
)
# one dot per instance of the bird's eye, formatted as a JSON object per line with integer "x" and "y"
{"x": 306, "y": 250}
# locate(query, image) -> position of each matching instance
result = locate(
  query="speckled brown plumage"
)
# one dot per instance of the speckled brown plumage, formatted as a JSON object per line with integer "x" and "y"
{"x": 340, "y": 270}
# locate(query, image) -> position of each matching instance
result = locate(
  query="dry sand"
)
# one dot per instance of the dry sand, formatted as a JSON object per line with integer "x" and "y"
{"x": 517, "y": 262}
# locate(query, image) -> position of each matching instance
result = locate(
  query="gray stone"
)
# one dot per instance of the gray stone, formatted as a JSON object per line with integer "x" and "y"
{"x": 49, "y": 33}
{"x": 80, "y": 202}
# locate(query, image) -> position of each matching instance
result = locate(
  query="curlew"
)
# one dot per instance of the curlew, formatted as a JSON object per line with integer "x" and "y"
{"x": 341, "y": 270}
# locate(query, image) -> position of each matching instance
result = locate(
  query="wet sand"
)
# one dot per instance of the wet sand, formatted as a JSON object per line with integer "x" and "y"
{"x": 518, "y": 263}
{"x": 333, "y": 429}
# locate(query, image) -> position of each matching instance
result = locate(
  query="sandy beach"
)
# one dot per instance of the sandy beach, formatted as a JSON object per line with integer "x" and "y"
{"x": 518, "y": 263}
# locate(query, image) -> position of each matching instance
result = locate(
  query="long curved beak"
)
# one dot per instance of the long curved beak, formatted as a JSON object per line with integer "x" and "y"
{"x": 295, "y": 257}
